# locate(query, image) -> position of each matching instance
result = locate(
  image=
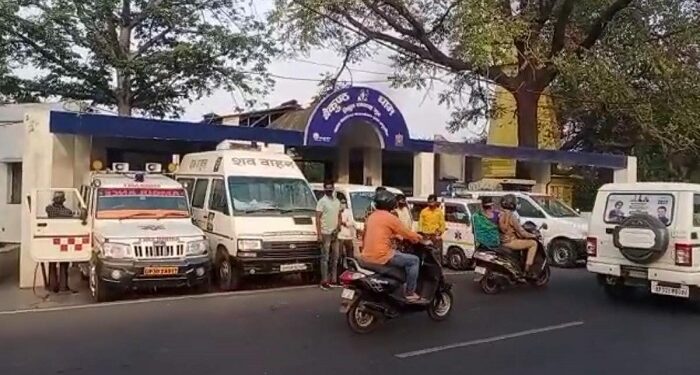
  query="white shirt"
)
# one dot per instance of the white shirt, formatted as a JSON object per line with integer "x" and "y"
{"x": 347, "y": 227}
{"x": 404, "y": 215}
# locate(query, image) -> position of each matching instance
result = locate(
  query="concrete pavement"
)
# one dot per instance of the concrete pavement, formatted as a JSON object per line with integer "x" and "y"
{"x": 568, "y": 328}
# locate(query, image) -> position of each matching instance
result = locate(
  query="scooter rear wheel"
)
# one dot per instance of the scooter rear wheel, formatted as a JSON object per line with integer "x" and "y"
{"x": 362, "y": 321}
{"x": 489, "y": 284}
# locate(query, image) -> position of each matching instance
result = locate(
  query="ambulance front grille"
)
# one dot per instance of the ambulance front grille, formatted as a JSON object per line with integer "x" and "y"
{"x": 159, "y": 251}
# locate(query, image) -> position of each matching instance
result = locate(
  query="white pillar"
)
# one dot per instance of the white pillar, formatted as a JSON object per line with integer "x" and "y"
{"x": 423, "y": 174}
{"x": 452, "y": 165}
{"x": 627, "y": 175}
{"x": 372, "y": 166}
{"x": 342, "y": 165}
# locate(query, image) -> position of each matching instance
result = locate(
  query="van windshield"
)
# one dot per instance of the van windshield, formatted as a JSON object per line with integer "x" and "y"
{"x": 360, "y": 202}
{"x": 118, "y": 203}
{"x": 269, "y": 194}
{"x": 554, "y": 207}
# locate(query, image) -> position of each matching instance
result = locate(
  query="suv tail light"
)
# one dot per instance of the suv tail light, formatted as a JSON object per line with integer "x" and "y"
{"x": 592, "y": 246}
{"x": 684, "y": 254}
{"x": 347, "y": 277}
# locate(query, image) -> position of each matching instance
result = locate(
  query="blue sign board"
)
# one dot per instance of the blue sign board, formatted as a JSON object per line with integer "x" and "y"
{"x": 354, "y": 104}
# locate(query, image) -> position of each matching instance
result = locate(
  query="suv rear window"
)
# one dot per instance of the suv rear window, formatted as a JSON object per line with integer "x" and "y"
{"x": 621, "y": 206}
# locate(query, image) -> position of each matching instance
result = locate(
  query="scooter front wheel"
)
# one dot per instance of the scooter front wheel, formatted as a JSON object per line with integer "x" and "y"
{"x": 361, "y": 320}
{"x": 543, "y": 278}
{"x": 441, "y": 306}
{"x": 489, "y": 284}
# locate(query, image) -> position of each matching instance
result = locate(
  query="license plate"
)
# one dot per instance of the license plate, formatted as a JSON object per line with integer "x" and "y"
{"x": 293, "y": 267}
{"x": 682, "y": 291}
{"x": 347, "y": 294}
{"x": 480, "y": 270}
{"x": 160, "y": 271}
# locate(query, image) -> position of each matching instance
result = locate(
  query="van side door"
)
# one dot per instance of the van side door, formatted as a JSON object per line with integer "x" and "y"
{"x": 219, "y": 216}
{"x": 198, "y": 202}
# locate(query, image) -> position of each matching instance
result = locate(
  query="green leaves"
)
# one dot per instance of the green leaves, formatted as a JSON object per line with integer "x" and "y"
{"x": 143, "y": 55}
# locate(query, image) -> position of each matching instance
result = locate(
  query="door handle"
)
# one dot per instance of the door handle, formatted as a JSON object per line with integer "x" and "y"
{"x": 42, "y": 225}
{"x": 609, "y": 230}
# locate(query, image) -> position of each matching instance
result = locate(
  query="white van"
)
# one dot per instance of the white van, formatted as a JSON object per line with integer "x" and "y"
{"x": 359, "y": 198}
{"x": 458, "y": 243}
{"x": 135, "y": 232}
{"x": 646, "y": 235}
{"x": 257, "y": 211}
{"x": 565, "y": 236}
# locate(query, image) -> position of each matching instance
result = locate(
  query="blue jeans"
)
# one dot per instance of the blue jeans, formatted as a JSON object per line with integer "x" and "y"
{"x": 329, "y": 258}
{"x": 411, "y": 264}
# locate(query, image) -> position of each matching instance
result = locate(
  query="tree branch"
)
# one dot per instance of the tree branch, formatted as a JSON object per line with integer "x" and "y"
{"x": 559, "y": 37}
{"x": 346, "y": 59}
{"x": 151, "y": 42}
{"x": 145, "y": 12}
{"x": 441, "y": 20}
{"x": 598, "y": 26}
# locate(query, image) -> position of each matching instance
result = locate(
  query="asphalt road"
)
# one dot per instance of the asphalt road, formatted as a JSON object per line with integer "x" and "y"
{"x": 568, "y": 328}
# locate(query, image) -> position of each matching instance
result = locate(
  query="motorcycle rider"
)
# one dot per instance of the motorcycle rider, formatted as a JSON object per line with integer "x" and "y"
{"x": 513, "y": 236}
{"x": 380, "y": 228}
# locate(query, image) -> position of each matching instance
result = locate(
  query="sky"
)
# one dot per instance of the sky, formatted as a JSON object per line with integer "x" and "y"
{"x": 424, "y": 115}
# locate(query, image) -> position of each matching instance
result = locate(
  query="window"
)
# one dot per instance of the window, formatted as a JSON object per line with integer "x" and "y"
{"x": 696, "y": 210}
{"x": 527, "y": 209}
{"x": 200, "y": 193}
{"x": 255, "y": 195}
{"x": 416, "y": 209}
{"x": 135, "y": 203}
{"x": 554, "y": 207}
{"x": 456, "y": 214}
{"x": 217, "y": 198}
{"x": 14, "y": 183}
{"x": 623, "y": 205}
{"x": 188, "y": 184}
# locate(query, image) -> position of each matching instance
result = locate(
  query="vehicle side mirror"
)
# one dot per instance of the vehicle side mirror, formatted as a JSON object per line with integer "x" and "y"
{"x": 83, "y": 215}
{"x": 544, "y": 226}
{"x": 578, "y": 211}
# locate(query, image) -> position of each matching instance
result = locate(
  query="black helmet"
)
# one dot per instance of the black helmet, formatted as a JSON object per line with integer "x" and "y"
{"x": 384, "y": 200}
{"x": 508, "y": 202}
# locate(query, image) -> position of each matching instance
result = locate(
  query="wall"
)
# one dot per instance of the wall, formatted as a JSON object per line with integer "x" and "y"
{"x": 11, "y": 142}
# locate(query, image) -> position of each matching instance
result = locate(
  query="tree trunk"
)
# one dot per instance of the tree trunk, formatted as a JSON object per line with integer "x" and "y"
{"x": 123, "y": 89}
{"x": 527, "y": 102}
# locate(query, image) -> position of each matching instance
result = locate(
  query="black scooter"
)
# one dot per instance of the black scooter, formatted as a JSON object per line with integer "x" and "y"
{"x": 496, "y": 269}
{"x": 373, "y": 293}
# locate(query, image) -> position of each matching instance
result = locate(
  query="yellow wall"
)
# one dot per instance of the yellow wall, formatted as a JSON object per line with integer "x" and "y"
{"x": 503, "y": 131}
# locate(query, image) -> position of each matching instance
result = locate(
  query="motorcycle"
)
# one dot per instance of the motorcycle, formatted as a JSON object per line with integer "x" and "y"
{"x": 496, "y": 269}
{"x": 373, "y": 293}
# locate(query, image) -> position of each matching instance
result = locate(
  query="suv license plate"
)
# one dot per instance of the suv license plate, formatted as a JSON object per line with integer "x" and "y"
{"x": 160, "y": 271}
{"x": 682, "y": 291}
{"x": 293, "y": 267}
{"x": 480, "y": 270}
{"x": 347, "y": 294}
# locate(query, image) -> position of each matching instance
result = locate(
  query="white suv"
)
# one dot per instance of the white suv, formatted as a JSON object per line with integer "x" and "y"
{"x": 645, "y": 235}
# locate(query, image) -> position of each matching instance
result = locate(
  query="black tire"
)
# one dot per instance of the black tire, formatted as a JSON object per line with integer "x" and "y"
{"x": 563, "y": 253}
{"x": 362, "y": 322}
{"x": 543, "y": 278}
{"x": 489, "y": 284}
{"x": 100, "y": 291}
{"x": 456, "y": 259}
{"x": 228, "y": 275}
{"x": 441, "y": 306}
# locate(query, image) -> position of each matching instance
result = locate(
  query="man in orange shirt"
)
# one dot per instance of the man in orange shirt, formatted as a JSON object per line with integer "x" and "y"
{"x": 380, "y": 227}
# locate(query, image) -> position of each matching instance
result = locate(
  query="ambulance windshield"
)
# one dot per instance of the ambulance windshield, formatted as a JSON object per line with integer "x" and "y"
{"x": 252, "y": 195}
{"x": 127, "y": 203}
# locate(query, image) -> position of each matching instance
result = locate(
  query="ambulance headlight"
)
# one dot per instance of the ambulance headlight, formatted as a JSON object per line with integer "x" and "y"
{"x": 249, "y": 245}
{"x": 198, "y": 247}
{"x": 116, "y": 250}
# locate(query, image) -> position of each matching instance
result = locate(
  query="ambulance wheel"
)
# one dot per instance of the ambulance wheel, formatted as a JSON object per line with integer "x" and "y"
{"x": 100, "y": 291}
{"x": 227, "y": 273}
{"x": 456, "y": 259}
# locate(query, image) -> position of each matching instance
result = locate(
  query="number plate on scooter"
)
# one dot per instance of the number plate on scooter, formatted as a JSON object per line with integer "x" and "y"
{"x": 347, "y": 294}
{"x": 480, "y": 270}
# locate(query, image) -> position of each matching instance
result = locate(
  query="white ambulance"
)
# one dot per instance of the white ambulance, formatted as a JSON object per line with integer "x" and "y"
{"x": 257, "y": 211}
{"x": 132, "y": 229}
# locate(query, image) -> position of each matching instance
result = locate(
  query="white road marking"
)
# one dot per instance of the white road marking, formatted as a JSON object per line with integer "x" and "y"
{"x": 156, "y": 299}
{"x": 488, "y": 340}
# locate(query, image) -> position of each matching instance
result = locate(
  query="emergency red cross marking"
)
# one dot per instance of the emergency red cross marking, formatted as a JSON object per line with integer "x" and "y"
{"x": 66, "y": 243}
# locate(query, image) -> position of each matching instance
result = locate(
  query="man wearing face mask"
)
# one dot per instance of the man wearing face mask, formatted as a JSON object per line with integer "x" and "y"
{"x": 327, "y": 226}
{"x": 347, "y": 230}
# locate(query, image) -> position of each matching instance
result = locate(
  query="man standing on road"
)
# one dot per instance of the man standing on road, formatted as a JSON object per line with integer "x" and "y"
{"x": 346, "y": 233}
{"x": 432, "y": 223}
{"x": 327, "y": 226}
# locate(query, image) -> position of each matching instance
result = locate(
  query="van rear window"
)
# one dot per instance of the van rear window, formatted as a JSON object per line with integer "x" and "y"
{"x": 621, "y": 206}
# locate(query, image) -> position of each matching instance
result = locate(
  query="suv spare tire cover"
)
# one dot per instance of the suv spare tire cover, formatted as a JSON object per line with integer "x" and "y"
{"x": 641, "y": 238}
